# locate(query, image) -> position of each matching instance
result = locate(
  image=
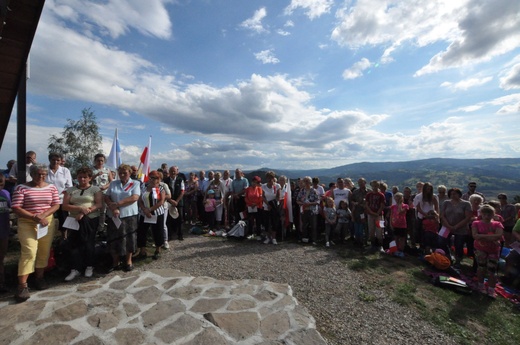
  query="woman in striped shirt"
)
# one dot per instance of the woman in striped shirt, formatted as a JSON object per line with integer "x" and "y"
{"x": 151, "y": 214}
{"x": 34, "y": 203}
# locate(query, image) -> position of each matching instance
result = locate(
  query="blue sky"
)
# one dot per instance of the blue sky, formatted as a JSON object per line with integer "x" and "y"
{"x": 291, "y": 84}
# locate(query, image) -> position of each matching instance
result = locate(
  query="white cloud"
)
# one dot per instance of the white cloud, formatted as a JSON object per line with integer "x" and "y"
{"x": 357, "y": 69}
{"x": 512, "y": 79}
{"x": 267, "y": 56}
{"x": 488, "y": 29}
{"x": 116, "y": 17}
{"x": 509, "y": 104}
{"x": 314, "y": 8}
{"x": 255, "y": 22}
{"x": 282, "y": 32}
{"x": 475, "y": 30}
{"x": 467, "y": 83}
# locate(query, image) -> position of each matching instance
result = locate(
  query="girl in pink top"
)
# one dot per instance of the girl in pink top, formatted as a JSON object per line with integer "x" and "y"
{"x": 487, "y": 234}
{"x": 398, "y": 222}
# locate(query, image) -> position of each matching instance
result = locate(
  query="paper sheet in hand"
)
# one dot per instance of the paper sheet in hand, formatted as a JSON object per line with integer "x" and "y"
{"x": 151, "y": 220}
{"x": 71, "y": 223}
{"x": 42, "y": 231}
{"x": 117, "y": 222}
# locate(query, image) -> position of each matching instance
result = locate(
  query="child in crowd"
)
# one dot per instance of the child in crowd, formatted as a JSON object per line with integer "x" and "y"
{"x": 343, "y": 216}
{"x": 5, "y": 204}
{"x": 431, "y": 231}
{"x": 375, "y": 203}
{"x": 329, "y": 213}
{"x": 398, "y": 221}
{"x": 210, "y": 205}
{"x": 487, "y": 234}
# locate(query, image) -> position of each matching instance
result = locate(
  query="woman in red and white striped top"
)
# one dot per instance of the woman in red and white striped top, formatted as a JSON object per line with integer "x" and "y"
{"x": 34, "y": 203}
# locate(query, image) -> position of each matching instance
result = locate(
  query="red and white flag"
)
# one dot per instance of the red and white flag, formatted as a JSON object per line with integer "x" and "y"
{"x": 392, "y": 247}
{"x": 287, "y": 204}
{"x": 145, "y": 161}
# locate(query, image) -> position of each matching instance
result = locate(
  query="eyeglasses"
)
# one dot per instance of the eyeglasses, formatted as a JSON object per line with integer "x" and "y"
{"x": 154, "y": 177}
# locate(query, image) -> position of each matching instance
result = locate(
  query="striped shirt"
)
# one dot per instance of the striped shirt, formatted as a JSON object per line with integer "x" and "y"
{"x": 35, "y": 200}
{"x": 151, "y": 198}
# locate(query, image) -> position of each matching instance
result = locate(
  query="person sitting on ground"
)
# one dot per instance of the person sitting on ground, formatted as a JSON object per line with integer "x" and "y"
{"x": 487, "y": 234}
{"x": 83, "y": 204}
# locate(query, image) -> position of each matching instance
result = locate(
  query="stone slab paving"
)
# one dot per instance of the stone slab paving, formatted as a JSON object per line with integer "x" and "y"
{"x": 159, "y": 307}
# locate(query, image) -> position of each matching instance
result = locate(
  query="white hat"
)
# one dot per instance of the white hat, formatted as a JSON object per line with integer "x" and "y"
{"x": 174, "y": 213}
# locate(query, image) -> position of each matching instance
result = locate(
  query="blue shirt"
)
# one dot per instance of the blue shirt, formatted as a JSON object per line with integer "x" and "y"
{"x": 118, "y": 192}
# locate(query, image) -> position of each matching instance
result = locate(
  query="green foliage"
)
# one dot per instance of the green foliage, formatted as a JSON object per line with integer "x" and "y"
{"x": 79, "y": 141}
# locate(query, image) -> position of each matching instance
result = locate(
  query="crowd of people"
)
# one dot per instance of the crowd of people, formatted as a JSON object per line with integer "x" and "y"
{"x": 128, "y": 207}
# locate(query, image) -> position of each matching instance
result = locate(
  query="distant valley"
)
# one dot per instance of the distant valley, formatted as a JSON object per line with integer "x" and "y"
{"x": 493, "y": 175}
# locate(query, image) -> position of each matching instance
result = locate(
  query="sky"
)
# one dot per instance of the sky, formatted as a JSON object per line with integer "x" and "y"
{"x": 287, "y": 84}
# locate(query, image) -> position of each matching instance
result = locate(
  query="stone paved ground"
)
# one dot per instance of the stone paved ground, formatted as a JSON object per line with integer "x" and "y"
{"x": 161, "y": 306}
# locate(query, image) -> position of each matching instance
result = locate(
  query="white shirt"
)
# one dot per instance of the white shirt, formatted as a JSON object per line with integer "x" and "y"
{"x": 61, "y": 179}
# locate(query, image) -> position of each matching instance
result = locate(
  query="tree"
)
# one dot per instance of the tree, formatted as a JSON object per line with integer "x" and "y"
{"x": 79, "y": 141}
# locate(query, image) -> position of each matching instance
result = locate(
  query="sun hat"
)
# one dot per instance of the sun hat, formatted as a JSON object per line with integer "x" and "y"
{"x": 174, "y": 213}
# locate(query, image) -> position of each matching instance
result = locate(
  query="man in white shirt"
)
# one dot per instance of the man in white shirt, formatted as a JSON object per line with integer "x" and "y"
{"x": 30, "y": 159}
{"x": 62, "y": 179}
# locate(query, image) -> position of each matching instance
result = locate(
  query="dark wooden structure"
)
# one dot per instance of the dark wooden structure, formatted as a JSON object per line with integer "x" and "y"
{"x": 18, "y": 22}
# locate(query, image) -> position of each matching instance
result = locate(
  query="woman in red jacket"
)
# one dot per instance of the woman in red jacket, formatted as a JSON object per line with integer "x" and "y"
{"x": 254, "y": 203}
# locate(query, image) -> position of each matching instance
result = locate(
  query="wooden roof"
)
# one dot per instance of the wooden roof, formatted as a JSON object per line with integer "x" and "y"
{"x": 18, "y": 22}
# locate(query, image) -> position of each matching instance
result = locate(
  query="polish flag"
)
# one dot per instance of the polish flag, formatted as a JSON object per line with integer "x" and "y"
{"x": 287, "y": 204}
{"x": 392, "y": 247}
{"x": 145, "y": 161}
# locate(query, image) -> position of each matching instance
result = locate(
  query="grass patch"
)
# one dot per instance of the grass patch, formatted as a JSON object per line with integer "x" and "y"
{"x": 470, "y": 319}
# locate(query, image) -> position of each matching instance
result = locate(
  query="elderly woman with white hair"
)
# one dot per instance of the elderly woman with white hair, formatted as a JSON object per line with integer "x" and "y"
{"x": 308, "y": 200}
{"x": 34, "y": 203}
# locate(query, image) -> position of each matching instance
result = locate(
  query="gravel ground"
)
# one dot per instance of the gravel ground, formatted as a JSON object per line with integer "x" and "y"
{"x": 320, "y": 280}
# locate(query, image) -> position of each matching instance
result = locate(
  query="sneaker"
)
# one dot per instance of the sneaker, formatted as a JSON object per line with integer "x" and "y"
{"x": 166, "y": 245}
{"x": 266, "y": 241}
{"x": 258, "y": 238}
{"x": 72, "y": 275}
{"x": 89, "y": 271}
{"x": 491, "y": 292}
{"x": 251, "y": 237}
{"x": 274, "y": 241}
{"x": 327, "y": 244}
{"x": 305, "y": 240}
{"x": 22, "y": 294}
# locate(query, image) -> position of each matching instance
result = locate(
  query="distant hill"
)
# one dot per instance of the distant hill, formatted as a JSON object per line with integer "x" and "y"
{"x": 493, "y": 175}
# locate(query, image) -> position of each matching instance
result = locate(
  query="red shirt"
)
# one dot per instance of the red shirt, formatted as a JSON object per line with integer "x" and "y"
{"x": 253, "y": 196}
